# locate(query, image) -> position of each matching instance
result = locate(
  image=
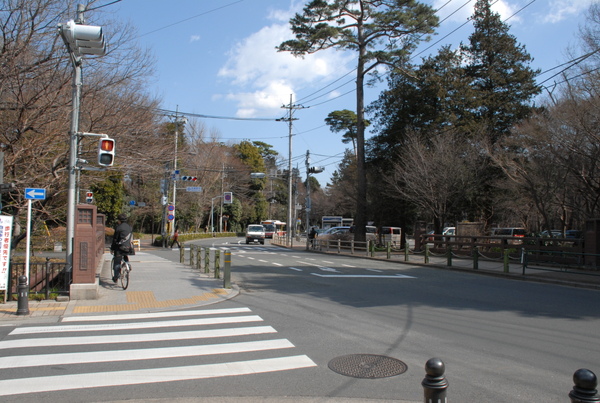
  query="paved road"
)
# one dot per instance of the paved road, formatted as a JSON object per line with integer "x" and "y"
{"x": 501, "y": 340}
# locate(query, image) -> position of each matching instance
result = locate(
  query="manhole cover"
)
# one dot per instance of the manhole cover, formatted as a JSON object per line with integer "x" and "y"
{"x": 367, "y": 366}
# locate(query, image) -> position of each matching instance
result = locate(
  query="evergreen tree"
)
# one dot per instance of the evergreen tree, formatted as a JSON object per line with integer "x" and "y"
{"x": 499, "y": 74}
{"x": 380, "y": 32}
{"x": 347, "y": 122}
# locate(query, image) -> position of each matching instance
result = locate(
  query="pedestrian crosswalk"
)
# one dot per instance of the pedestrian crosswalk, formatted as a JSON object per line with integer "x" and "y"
{"x": 142, "y": 348}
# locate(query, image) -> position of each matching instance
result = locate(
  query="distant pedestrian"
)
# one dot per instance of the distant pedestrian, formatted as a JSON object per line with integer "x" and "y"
{"x": 175, "y": 239}
{"x": 312, "y": 235}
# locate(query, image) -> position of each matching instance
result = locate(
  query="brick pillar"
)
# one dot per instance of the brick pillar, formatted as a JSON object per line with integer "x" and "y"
{"x": 84, "y": 244}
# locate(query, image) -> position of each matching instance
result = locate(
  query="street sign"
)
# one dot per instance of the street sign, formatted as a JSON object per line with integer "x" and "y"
{"x": 171, "y": 207}
{"x": 132, "y": 203}
{"x": 35, "y": 194}
{"x": 171, "y": 217}
{"x": 227, "y": 198}
{"x": 193, "y": 189}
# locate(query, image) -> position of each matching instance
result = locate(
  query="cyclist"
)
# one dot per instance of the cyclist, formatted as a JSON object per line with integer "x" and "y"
{"x": 121, "y": 245}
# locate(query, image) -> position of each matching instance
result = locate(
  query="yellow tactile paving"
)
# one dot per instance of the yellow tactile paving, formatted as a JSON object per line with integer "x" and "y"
{"x": 146, "y": 299}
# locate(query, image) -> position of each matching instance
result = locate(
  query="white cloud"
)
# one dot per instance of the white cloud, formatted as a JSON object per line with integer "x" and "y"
{"x": 264, "y": 78}
{"x": 502, "y": 7}
{"x": 194, "y": 38}
{"x": 559, "y": 10}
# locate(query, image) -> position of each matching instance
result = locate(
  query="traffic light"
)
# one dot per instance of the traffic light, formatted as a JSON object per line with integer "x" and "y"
{"x": 89, "y": 197}
{"x": 83, "y": 39}
{"x": 106, "y": 152}
{"x": 316, "y": 170}
{"x": 189, "y": 178}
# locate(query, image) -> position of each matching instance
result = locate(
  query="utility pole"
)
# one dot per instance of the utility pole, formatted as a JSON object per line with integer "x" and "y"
{"x": 291, "y": 107}
{"x": 175, "y": 170}
{"x": 307, "y": 207}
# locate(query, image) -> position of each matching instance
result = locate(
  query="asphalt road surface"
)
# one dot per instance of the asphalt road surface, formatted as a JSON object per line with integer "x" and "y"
{"x": 308, "y": 327}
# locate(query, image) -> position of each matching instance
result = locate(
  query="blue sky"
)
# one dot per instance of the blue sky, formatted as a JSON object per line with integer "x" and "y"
{"x": 218, "y": 58}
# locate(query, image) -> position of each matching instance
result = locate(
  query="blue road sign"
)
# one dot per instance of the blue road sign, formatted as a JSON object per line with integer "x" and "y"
{"x": 35, "y": 194}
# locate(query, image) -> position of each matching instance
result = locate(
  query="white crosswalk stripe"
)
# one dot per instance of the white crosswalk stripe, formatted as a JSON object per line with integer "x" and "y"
{"x": 86, "y": 343}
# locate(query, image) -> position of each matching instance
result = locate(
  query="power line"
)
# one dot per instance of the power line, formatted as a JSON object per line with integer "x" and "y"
{"x": 190, "y": 18}
{"x": 200, "y": 115}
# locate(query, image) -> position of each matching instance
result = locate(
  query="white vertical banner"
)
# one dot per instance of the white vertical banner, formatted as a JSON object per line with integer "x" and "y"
{"x": 5, "y": 241}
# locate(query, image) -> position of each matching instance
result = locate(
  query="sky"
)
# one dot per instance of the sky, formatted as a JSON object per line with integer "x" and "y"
{"x": 218, "y": 59}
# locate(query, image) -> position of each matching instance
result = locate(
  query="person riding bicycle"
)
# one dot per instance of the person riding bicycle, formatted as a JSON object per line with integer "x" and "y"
{"x": 121, "y": 244}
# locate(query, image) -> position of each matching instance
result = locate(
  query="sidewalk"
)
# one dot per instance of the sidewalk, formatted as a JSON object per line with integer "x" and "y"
{"x": 157, "y": 282}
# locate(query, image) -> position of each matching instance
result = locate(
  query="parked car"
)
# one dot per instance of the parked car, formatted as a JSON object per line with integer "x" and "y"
{"x": 555, "y": 233}
{"x": 255, "y": 233}
{"x": 336, "y": 233}
{"x": 510, "y": 231}
{"x": 449, "y": 231}
{"x": 574, "y": 234}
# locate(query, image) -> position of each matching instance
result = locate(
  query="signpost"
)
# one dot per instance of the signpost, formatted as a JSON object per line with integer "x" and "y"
{"x": 5, "y": 240}
{"x": 31, "y": 194}
{"x": 193, "y": 189}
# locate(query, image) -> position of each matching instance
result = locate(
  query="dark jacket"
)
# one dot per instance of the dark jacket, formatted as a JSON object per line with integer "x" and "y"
{"x": 121, "y": 243}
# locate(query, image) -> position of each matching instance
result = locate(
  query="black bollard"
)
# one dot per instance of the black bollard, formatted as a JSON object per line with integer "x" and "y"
{"x": 435, "y": 384}
{"x": 23, "y": 300}
{"x": 584, "y": 390}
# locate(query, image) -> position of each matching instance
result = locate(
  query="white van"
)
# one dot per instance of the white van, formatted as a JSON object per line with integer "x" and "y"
{"x": 393, "y": 235}
{"x": 255, "y": 233}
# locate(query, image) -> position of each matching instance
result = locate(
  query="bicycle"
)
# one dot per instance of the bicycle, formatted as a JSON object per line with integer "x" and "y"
{"x": 125, "y": 270}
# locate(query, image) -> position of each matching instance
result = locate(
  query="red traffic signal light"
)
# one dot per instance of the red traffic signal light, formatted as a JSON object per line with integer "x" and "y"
{"x": 106, "y": 152}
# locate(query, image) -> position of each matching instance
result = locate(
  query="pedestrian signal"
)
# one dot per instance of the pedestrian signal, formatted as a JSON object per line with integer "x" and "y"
{"x": 106, "y": 152}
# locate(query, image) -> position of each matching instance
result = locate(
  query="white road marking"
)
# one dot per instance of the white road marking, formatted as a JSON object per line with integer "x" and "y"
{"x": 348, "y": 265}
{"x": 329, "y": 269}
{"x": 153, "y": 315}
{"x": 360, "y": 276}
{"x": 135, "y": 338}
{"x": 294, "y": 268}
{"x": 152, "y": 375}
{"x": 135, "y": 325}
{"x": 277, "y": 264}
{"x": 40, "y": 360}
{"x": 375, "y": 270}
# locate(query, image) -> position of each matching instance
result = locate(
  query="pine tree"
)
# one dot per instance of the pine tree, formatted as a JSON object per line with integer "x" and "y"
{"x": 380, "y": 32}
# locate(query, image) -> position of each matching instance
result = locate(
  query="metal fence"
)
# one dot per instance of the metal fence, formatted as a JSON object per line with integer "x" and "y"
{"x": 45, "y": 278}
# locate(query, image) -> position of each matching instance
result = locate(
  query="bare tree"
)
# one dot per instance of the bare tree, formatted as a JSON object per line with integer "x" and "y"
{"x": 432, "y": 175}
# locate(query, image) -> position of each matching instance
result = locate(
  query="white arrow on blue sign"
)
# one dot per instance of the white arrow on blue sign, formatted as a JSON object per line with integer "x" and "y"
{"x": 35, "y": 194}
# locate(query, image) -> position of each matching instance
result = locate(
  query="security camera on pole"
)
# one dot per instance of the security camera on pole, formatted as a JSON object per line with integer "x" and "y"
{"x": 80, "y": 40}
